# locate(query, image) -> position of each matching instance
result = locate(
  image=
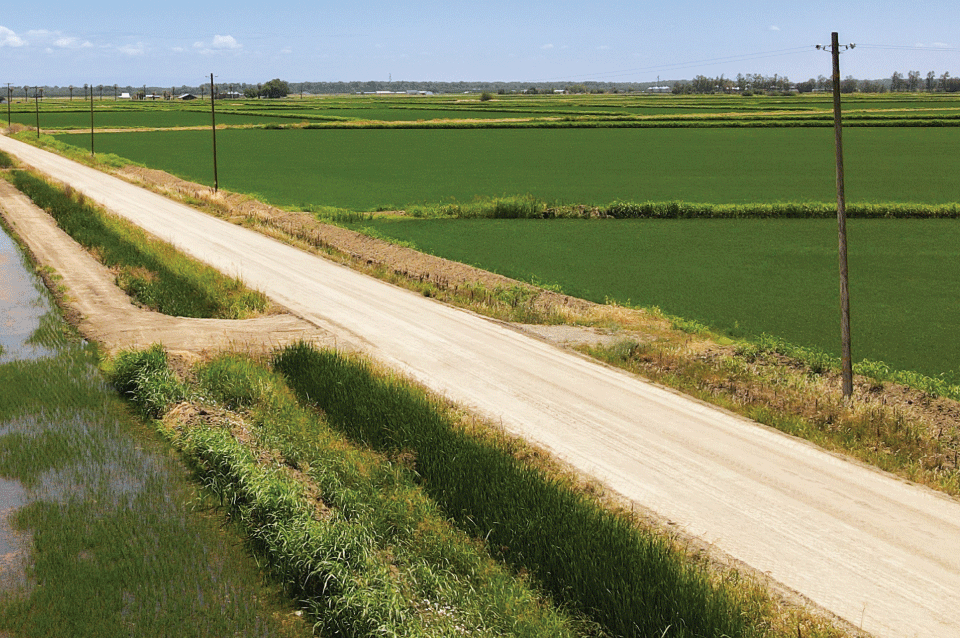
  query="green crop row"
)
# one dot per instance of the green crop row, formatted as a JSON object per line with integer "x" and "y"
{"x": 152, "y": 272}
{"x": 529, "y": 207}
{"x": 784, "y": 210}
{"x": 348, "y": 530}
{"x": 588, "y": 558}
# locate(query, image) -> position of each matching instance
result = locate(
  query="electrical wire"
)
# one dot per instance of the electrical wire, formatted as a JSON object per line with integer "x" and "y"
{"x": 905, "y": 47}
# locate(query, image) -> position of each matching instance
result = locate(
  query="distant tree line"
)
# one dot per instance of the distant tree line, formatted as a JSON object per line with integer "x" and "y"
{"x": 747, "y": 84}
{"x": 753, "y": 83}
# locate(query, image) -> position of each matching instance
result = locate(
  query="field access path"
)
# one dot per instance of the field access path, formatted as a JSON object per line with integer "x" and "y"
{"x": 875, "y": 550}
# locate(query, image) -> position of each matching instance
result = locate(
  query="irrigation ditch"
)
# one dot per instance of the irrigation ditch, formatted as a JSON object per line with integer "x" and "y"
{"x": 217, "y": 411}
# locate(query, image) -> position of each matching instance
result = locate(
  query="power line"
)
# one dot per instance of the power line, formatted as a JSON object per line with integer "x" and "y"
{"x": 906, "y": 47}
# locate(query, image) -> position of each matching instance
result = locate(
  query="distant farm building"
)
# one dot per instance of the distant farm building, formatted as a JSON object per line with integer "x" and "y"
{"x": 187, "y": 96}
{"x": 124, "y": 96}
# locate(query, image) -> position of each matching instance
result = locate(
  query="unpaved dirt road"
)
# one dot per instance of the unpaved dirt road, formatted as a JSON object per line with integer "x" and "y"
{"x": 877, "y": 551}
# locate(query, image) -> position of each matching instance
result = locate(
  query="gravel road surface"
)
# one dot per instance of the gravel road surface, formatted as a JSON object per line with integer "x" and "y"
{"x": 875, "y": 550}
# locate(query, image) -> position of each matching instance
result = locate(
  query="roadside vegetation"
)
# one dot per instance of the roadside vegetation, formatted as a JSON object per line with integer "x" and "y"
{"x": 383, "y": 510}
{"x": 152, "y": 272}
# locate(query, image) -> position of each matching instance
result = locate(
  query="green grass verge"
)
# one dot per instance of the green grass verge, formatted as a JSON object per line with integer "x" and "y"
{"x": 348, "y": 530}
{"x": 364, "y": 170}
{"x": 742, "y": 277}
{"x": 588, "y": 558}
{"x": 152, "y": 272}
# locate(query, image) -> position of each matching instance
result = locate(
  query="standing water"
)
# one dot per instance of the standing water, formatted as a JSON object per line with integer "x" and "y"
{"x": 23, "y": 304}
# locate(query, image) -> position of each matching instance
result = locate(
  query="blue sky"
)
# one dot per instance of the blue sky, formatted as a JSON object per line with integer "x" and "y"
{"x": 64, "y": 42}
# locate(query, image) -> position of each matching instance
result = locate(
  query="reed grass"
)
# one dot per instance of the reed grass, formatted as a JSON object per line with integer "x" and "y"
{"x": 589, "y": 559}
{"x": 348, "y": 530}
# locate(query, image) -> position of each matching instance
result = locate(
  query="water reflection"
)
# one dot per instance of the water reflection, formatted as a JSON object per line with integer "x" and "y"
{"x": 23, "y": 304}
{"x": 13, "y": 544}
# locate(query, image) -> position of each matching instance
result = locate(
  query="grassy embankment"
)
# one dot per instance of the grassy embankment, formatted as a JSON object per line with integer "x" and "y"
{"x": 115, "y": 539}
{"x": 350, "y": 504}
{"x": 152, "y": 272}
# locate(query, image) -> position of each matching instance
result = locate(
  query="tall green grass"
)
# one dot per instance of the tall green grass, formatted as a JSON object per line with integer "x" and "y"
{"x": 356, "y": 541}
{"x": 592, "y": 560}
{"x": 152, "y": 272}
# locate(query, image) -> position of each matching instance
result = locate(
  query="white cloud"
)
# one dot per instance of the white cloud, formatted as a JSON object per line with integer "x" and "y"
{"x": 133, "y": 49}
{"x": 286, "y": 51}
{"x": 220, "y": 43}
{"x": 72, "y": 43}
{"x": 225, "y": 42}
{"x": 603, "y": 47}
{"x": 547, "y": 46}
{"x": 774, "y": 27}
{"x": 10, "y": 39}
{"x": 941, "y": 45}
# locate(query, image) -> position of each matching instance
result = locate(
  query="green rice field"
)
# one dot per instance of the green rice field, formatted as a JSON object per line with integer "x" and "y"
{"x": 742, "y": 276}
{"x": 367, "y": 169}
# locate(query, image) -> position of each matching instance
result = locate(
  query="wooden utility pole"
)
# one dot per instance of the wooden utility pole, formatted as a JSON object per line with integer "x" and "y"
{"x": 213, "y": 121}
{"x": 846, "y": 355}
{"x": 36, "y": 101}
{"x": 8, "y": 105}
{"x": 91, "y": 122}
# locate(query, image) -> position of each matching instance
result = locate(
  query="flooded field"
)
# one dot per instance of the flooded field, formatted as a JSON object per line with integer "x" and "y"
{"x": 102, "y": 529}
{"x": 23, "y": 302}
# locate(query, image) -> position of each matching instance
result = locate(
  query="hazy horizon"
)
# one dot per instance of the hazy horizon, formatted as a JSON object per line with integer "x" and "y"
{"x": 56, "y": 43}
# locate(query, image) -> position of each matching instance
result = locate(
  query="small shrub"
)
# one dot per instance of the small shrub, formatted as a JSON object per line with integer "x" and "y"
{"x": 144, "y": 377}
